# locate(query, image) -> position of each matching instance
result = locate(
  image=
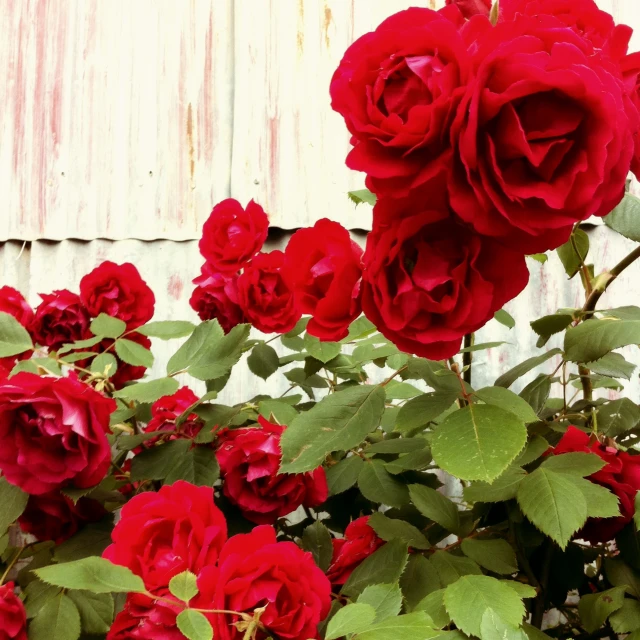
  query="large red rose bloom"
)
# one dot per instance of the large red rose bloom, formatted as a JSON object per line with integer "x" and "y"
{"x": 13, "y": 618}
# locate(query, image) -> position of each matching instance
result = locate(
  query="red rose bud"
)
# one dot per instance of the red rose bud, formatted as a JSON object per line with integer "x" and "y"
{"x": 232, "y": 235}
{"x": 60, "y": 318}
{"x": 325, "y": 267}
{"x": 162, "y": 534}
{"x": 621, "y": 475}
{"x": 469, "y": 8}
{"x": 53, "y": 433}
{"x": 359, "y": 542}
{"x": 256, "y": 571}
{"x": 266, "y": 296}
{"x": 165, "y": 412}
{"x": 119, "y": 291}
{"x": 249, "y": 461}
{"x": 13, "y": 618}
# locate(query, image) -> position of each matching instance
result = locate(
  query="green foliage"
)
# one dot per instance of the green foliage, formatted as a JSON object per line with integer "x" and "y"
{"x": 13, "y": 501}
{"x": 263, "y": 360}
{"x": 362, "y": 195}
{"x": 624, "y": 218}
{"x": 350, "y": 619}
{"x": 391, "y": 529}
{"x": 317, "y": 539}
{"x": 183, "y": 586}
{"x": 96, "y": 610}
{"x": 194, "y": 625}
{"x": 573, "y": 253}
{"x": 14, "y": 338}
{"x": 344, "y": 475}
{"x": 59, "y": 619}
{"x": 386, "y": 600}
{"x": 148, "y": 391}
{"x": 133, "y": 353}
{"x": 435, "y": 506}
{"x": 107, "y": 327}
{"x": 593, "y": 339}
{"x": 167, "y": 329}
{"x": 496, "y": 556}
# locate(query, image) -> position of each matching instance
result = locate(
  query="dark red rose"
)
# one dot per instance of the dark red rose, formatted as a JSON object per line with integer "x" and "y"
{"x": 13, "y": 303}
{"x": 119, "y": 291}
{"x": 125, "y": 372}
{"x": 621, "y": 475}
{"x": 162, "y": 534}
{"x": 325, "y": 267}
{"x": 428, "y": 281}
{"x": 469, "y": 8}
{"x": 256, "y": 571}
{"x": 630, "y": 67}
{"x": 231, "y": 236}
{"x": 543, "y": 137}
{"x": 53, "y": 516}
{"x": 216, "y": 297}
{"x": 249, "y": 461}
{"x": 60, "y": 318}
{"x": 166, "y": 410}
{"x": 265, "y": 294}
{"x": 397, "y": 89}
{"x": 359, "y": 542}
{"x": 53, "y": 433}
{"x": 13, "y": 618}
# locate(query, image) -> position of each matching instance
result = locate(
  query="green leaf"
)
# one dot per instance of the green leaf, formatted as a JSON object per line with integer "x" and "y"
{"x": 379, "y": 486}
{"x": 601, "y": 503}
{"x": 507, "y": 379}
{"x": 627, "y": 617}
{"x": 550, "y": 501}
{"x": 362, "y": 195}
{"x": 534, "y": 449}
{"x": 57, "y": 620}
{"x": 505, "y": 318}
{"x": 317, "y": 540}
{"x": 536, "y": 393}
{"x": 624, "y": 218}
{"x": 104, "y": 364}
{"x": 350, "y": 619}
{"x": 13, "y": 501}
{"x": 593, "y": 339}
{"x": 323, "y": 351}
{"x": 574, "y": 252}
{"x": 433, "y": 606}
{"x": 401, "y": 390}
{"x": 386, "y": 599}
{"x": 90, "y": 541}
{"x": 618, "y": 417}
{"x": 107, "y": 327}
{"x": 575, "y": 462}
{"x": 96, "y": 610}
{"x": 411, "y": 626}
{"x": 220, "y": 353}
{"x": 397, "y": 445}
{"x": 494, "y": 555}
{"x": 37, "y": 594}
{"x": 194, "y": 625}
{"x": 548, "y": 325}
{"x": 197, "y": 465}
{"x": 93, "y": 574}
{"x": 14, "y": 338}
{"x": 263, "y": 360}
{"x": 539, "y": 257}
{"x": 385, "y": 566}
{"x": 391, "y": 529}
{"x": 482, "y": 346}
{"x": 523, "y": 590}
{"x": 78, "y": 344}
{"x": 133, "y": 353}
{"x": 344, "y": 475}
{"x": 509, "y": 401}
{"x": 435, "y": 506}
{"x": 595, "y": 608}
{"x": 414, "y": 461}
{"x": 478, "y": 442}
{"x": 167, "y": 329}
{"x": 419, "y": 411}
{"x": 338, "y": 422}
{"x": 468, "y": 599}
{"x": 503, "y": 488}
{"x": 620, "y": 574}
{"x": 192, "y": 349}
{"x": 533, "y": 633}
{"x": 147, "y": 392}
{"x": 284, "y": 413}
{"x": 184, "y": 586}
{"x": 493, "y": 627}
{"x": 614, "y": 365}
{"x": 451, "y": 568}
{"x": 419, "y": 579}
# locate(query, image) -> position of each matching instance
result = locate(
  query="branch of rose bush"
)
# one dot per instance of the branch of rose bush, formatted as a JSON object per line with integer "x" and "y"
{"x": 393, "y": 375}
{"x": 13, "y": 561}
{"x": 467, "y": 357}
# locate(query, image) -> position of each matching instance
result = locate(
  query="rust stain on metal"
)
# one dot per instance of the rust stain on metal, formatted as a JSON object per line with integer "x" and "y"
{"x": 192, "y": 163}
{"x": 328, "y": 18}
{"x": 175, "y": 287}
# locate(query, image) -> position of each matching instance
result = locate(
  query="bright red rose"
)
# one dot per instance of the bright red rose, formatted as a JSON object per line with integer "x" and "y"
{"x": 119, "y": 291}
{"x": 13, "y": 618}
{"x": 397, "y": 89}
{"x": 630, "y": 67}
{"x": 428, "y": 281}
{"x": 257, "y": 571}
{"x": 359, "y": 542}
{"x": 161, "y": 534}
{"x": 53, "y": 516}
{"x": 53, "y": 433}
{"x": 166, "y": 410}
{"x": 60, "y": 318}
{"x": 621, "y": 475}
{"x": 231, "y": 236}
{"x": 249, "y": 461}
{"x": 543, "y": 137}
{"x": 470, "y": 8}
{"x": 265, "y": 294}
{"x": 216, "y": 297}
{"x": 125, "y": 372}
{"x": 325, "y": 267}
{"x": 13, "y": 303}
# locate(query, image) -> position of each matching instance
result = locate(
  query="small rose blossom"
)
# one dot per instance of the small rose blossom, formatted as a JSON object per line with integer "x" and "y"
{"x": 325, "y": 267}
{"x": 249, "y": 462}
{"x": 165, "y": 412}
{"x": 53, "y": 433}
{"x": 13, "y": 618}
{"x": 231, "y": 236}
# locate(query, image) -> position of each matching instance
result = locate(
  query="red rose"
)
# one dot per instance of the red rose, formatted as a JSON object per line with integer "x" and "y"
{"x": 125, "y": 372}
{"x": 166, "y": 410}
{"x": 162, "y": 534}
{"x": 60, "y": 318}
{"x": 359, "y": 542}
{"x": 13, "y": 303}
{"x": 249, "y": 461}
{"x": 621, "y": 475}
{"x": 470, "y": 8}
{"x": 543, "y": 136}
{"x": 119, "y": 291}
{"x": 265, "y": 294}
{"x": 428, "y": 281}
{"x": 13, "y": 618}
{"x": 325, "y": 267}
{"x": 231, "y": 236}
{"x": 216, "y": 297}
{"x": 630, "y": 67}
{"x": 254, "y": 571}
{"x": 53, "y": 433}
{"x": 397, "y": 89}
{"x": 53, "y": 516}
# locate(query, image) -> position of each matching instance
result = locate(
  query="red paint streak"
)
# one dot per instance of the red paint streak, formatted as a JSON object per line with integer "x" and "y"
{"x": 174, "y": 289}
{"x": 19, "y": 111}
{"x": 273, "y": 140}
{"x": 192, "y": 163}
{"x": 206, "y": 118}
{"x": 39, "y": 114}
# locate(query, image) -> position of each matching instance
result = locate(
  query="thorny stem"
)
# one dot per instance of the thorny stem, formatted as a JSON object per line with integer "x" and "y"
{"x": 243, "y": 615}
{"x": 467, "y": 357}
{"x": 393, "y": 375}
{"x": 13, "y": 563}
